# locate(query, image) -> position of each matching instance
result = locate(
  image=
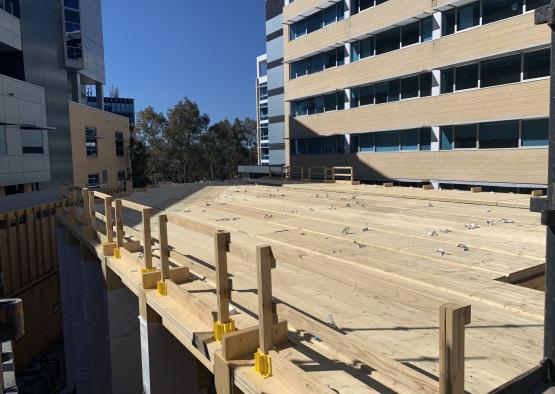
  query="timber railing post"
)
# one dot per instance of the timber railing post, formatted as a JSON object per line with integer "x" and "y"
{"x": 109, "y": 219}
{"x": 452, "y": 319}
{"x": 224, "y": 324}
{"x": 302, "y": 174}
{"x": 164, "y": 255}
{"x": 92, "y": 213}
{"x": 119, "y": 224}
{"x": 265, "y": 261}
{"x": 147, "y": 213}
{"x": 85, "y": 194}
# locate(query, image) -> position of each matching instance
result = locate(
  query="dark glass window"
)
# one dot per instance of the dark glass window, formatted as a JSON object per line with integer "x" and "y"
{"x": 426, "y": 85}
{"x": 393, "y": 90}
{"x": 330, "y": 15}
{"x": 341, "y": 141}
{"x": 381, "y": 91}
{"x": 501, "y": 71}
{"x": 340, "y": 55}
{"x": 466, "y": 77}
{"x": 427, "y": 28}
{"x": 330, "y": 59}
{"x": 119, "y": 144}
{"x": 465, "y": 136}
{"x": 468, "y": 16}
{"x": 32, "y": 142}
{"x": 94, "y": 180}
{"x": 302, "y": 146}
{"x": 388, "y": 41}
{"x": 72, "y": 4}
{"x": 536, "y": 64}
{"x": 447, "y": 80}
{"x": 367, "y": 95}
{"x": 341, "y": 100}
{"x": 535, "y": 132}
{"x": 409, "y": 87}
{"x": 320, "y": 104}
{"x": 367, "y": 47}
{"x": 410, "y": 34}
{"x": 426, "y": 138}
{"x": 330, "y": 145}
{"x": 355, "y": 51}
{"x": 315, "y": 146}
{"x": 533, "y": 4}
{"x": 448, "y": 22}
{"x": 355, "y": 98}
{"x": 446, "y": 141}
{"x": 331, "y": 102}
{"x": 354, "y": 146}
{"x": 367, "y": 142}
{"x": 499, "y": 135}
{"x": 409, "y": 139}
{"x": 314, "y": 22}
{"x": 387, "y": 141}
{"x": 314, "y": 64}
{"x": 90, "y": 141}
{"x": 494, "y": 10}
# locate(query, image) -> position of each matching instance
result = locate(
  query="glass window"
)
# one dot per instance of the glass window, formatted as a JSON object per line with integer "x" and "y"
{"x": 341, "y": 142}
{"x": 3, "y": 144}
{"x": 314, "y": 22}
{"x": 31, "y": 141}
{"x": 393, "y": 90}
{"x": 355, "y": 144}
{"x": 320, "y": 104}
{"x": 387, "y": 141}
{"x": 355, "y": 51}
{"x": 448, "y": 22}
{"x": 536, "y": 64}
{"x": 427, "y": 28}
{"x": 315, "y": 64}
{"x": 302, "y": 145}
{"x": 494, "y": 10}
{"x": 367, "y": 95}
{"x": 340, "y": 55}
{"x": 468, "y": 16}
{"x": 501, "y": 71}
{"x": 330, "y": 15}
{"x": 330, "y": 59}
{"x": 367, "y": 47}
{"x": 446, "y": 141}
{"x": 367, "y": 142}
{"x": 341, "y": 100}
{"x": 71, "y": 4}
{"x": 315, "y": 146}
{"x": 409, "y": 139}
{"x": 104, "y": 176}
{"x": 388, "y": 41}
{"x": 355, "y": 98}
{"x": 410, "y": 34}
{"x": 94, "y": 180}
{"x": 330, "y": 102}
{"x": 409, "y": 87}
{"x": 465, "y": 136}
{"x": 466, "y": 77}
{"x": 426, "y": 139}
{"x": 535, "y": 132}
{"x": 299, "y": 29}
{"x": 447, "y": 80}
{"x": 340, "y": 10}
{"x": 381, "y": 90}
{"x": 499, "y": 135}
{"x": 119, "y": 144}
{"x": 426, "y": 85}
{"x": 533, "y": 4}
{"x": 330, "y": 145}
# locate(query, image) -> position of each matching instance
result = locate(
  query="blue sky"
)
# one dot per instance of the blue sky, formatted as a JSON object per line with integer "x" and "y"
{"x": 161, "y": 51}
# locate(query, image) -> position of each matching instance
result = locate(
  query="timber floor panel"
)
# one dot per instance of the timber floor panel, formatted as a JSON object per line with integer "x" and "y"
{"x": 363, "y": 255}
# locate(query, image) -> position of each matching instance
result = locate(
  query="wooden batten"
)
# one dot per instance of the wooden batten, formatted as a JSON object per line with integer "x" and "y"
{"x": 243, "y": 343}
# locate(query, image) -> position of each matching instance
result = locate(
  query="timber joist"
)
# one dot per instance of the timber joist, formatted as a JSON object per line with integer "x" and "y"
{"x": 237, "y": 278}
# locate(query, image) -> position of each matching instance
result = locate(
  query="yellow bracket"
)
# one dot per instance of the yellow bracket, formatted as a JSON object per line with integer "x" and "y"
{"x": 162, "y": 288}
{"x": 220, "y": 329}
{"x": 147, "y": 270}
{"x": 263, "y": 364}
{"x": 117, "y": 253}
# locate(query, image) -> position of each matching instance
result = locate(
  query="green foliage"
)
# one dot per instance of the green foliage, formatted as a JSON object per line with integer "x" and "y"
{"x": 184, "y": 147}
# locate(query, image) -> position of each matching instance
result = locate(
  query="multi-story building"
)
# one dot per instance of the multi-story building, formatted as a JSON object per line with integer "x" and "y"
{"x": 99, "y": 143}
{"x": 449, "y": 92}
{"x": 262, "y": 111}
{"x": 49, "y": 57}
{"x": 117, "y": 105}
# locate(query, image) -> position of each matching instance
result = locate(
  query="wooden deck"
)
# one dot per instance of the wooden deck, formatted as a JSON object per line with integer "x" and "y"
{"x": 378, "y": 263}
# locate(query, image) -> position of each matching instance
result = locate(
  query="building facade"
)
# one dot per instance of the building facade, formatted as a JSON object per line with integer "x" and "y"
{"x": 447, "y": 92}
{"x": 262, "y": 142}
{"x": 100, "y": 147}
{"x": 51, "y": 51}
{"x": 117, "y": 105}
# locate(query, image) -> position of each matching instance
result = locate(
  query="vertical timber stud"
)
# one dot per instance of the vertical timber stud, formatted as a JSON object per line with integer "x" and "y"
{"x": 109, "y": 219}
{"x": 224, "y": 324}
{"x": 147, "y": 213}
{"x": 265, "y": 261}
{"x": 92, "y": 215}
{"x": 452, "y": 319}
{"x": 119, "y": 229}
{"x": 85, "y": 193}
{"x": 164, "y": 255}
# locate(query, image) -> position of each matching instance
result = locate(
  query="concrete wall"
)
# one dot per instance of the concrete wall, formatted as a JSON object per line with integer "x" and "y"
{"x": 10, "y": 30}
{"x": 107, "y": 124}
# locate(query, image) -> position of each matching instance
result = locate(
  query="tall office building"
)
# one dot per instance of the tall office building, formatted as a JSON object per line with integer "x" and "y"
{"x": 273, "y": 147}
{"x": 51, "y": 50}
{"x": 262, "y": 110}
{"x": 117, "y": 105}
{"x": 450, "y": 92}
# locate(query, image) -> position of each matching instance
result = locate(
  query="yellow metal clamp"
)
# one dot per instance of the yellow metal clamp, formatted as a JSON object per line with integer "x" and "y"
{"x": 263, "y": 364}
{"x": 117, "y": 253}
{"x": 147, "y": 270}
{"x": 162, "y": 288}
{"x": 220, "y": 329}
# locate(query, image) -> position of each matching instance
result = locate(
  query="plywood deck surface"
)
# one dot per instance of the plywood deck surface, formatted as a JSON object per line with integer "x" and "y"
{"x": 363, "y": 255}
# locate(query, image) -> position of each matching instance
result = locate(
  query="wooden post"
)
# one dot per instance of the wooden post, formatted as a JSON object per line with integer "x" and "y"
{"x": 85, "y": 193}
{"x": 221, "y": 247}
{"x": 109, "y": 219}
{"x": 265, "y": 261}
{"x": 325, "y": 174}
{"x": 164, "y": 250}
{"x": 452, "y": 319}
{"x": 92, "y": 216}
{"x": 309, "y": 173}
{"x": 302, "y": 174}
{"x": 352, "y": 174}
{"x": 147, "y": 213}
{"x": 119, "y": 223}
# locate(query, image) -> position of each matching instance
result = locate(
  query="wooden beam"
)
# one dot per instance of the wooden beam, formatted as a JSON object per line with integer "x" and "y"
{"x": 221, "y": 248}
{"x": 164, "y": 249}
{"x": 192, "y": 225}
{"x": 119, "y": 223}
{"x": 264, "y": 263}
{"x": 85, "y": 196}
{"x": 147, "y": 241}
{"x": 92, "y": 215}
{"x": 452, "y": 319}
{"x": 109, "y": 221}
{"x": 245, "y": 342}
